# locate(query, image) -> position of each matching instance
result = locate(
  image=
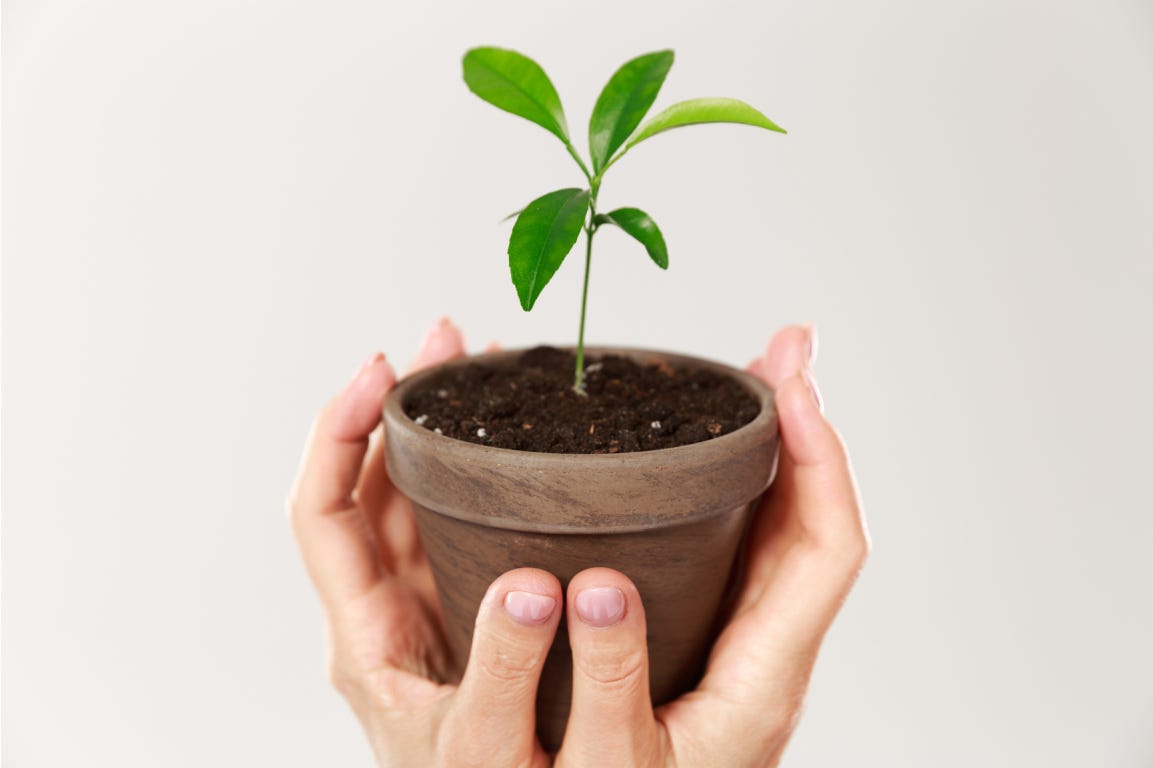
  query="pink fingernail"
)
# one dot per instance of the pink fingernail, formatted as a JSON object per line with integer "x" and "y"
{"x": 600, "y": 606}
{"x": 528, "y": 608}
{"x": 372, "y": 360}
{"x": 813, "y": 391}
{"x": 436, "y": 342}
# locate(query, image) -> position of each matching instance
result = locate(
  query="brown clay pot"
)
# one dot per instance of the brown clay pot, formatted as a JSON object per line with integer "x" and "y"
{"x": 671, "y": 520}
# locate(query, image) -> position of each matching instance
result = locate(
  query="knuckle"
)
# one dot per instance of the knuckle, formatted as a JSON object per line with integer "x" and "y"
{"x": 508, "y": 664}
{"x": 864, "y": 548}
{"x": 850, "y": 559}
{"x": 291, "y": 502}
{"x": 859, "y": 543}
{"x": 345, "y": 675}
{"x": 841, "y": 556}
{"x": 852, "y": 549}
{"x": 845, "y": 542}
{"x": 346, "y": 684}
{"x": 615, "y": 673}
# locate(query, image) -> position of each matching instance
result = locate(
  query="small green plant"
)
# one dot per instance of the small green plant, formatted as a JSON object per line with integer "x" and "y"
{"x": 548, "y": 227}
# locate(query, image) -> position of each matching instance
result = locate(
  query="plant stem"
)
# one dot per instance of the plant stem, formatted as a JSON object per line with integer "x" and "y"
{"x": 596, "y": 181}
{"x": 576, "y": 156}
{"x": 590, "y": 230}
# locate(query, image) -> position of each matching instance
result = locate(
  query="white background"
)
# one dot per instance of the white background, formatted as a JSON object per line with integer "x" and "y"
{"x": 214, "y": 210}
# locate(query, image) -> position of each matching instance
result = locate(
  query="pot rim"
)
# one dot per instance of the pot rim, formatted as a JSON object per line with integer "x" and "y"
{"x": 567, "y": 511}
{"x": 394, "y": 400}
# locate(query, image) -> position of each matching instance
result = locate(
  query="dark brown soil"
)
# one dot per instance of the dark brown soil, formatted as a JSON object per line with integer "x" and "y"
{"x": 629, "y": 407}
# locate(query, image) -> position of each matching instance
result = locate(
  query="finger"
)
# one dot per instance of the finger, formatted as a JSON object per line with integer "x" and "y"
{"x": 387, "y": 511}
{"x": 494, "y": 711}
{"x": 389, "y": 515}
{"x": 611, "y": 721}
{"x": 442, "y": 343}
{"x": 329, "y": 527}
{"x": 391, "y": 522}
{"x": 757, "y": 367}
{"x": 791, "y": 348}
{"x": 809, "y": 541}
{"x": 816, "y": 484}
{"x": 806, "y": 546}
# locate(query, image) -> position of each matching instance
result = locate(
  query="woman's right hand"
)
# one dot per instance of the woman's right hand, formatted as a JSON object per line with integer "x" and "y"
{"x": 387, "y": 654}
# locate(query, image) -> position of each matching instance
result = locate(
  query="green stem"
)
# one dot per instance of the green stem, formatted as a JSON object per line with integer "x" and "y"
{"x": 597, "y": 180}
{"x": 590, "y": 230}
{"x": 576, "y": 156}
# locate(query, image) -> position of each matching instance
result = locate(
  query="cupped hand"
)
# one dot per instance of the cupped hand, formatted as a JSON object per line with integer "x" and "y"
{"x": 387, "y": 654}
{"x": 807, "y": 543}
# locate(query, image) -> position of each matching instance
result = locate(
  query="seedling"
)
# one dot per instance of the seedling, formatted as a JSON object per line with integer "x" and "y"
{"x": 547, "y": 228}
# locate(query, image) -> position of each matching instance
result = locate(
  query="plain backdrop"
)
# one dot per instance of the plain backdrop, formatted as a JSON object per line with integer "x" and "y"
{"x": 213, "y": 210}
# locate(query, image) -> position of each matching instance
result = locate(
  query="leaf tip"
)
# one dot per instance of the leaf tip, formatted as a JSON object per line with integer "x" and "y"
{"x": 471, "y": 54}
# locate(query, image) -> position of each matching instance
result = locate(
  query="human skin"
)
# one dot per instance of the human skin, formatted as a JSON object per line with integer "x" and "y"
{"x": 387, "y": 655}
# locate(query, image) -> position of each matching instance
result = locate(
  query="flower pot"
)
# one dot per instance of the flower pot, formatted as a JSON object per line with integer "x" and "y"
{"x": 672, "y": 520}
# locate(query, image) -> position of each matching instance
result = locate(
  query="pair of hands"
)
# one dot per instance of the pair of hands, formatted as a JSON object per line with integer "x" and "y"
{"x": 387, "y": 656}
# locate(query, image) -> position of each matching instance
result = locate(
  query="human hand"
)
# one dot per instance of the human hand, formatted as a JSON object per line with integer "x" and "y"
{"x": 387, "y": 654}
{"x": 807, "y": 543}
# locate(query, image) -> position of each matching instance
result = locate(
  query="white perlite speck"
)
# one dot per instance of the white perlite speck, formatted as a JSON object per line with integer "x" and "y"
{"x": 442, "y": 393}
{"x": 420, "y": 420}
{"x": 437, "y": 430}
{"x": 481, "y": 433}
{"x": 655, "y": 425}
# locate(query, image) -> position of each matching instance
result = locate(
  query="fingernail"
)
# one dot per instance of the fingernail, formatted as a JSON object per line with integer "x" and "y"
{"x": 600, "y": 606}
{"x": 434, "y": 340}
{"x": 372, "y": 360}
{"x": 812, "y": 386}
{"x": 528, "y": 608}
{"x": 810, "y": 343}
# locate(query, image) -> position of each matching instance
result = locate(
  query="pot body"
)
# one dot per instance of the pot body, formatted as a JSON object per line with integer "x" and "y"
{"x": 672, "y": 520}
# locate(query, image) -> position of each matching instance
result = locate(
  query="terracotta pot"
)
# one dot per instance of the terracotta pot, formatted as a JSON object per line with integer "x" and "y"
{"x": 672, "y": 520}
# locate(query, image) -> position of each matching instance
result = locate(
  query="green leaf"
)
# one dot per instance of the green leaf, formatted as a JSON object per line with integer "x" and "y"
{"x": 517, "y": 84}
{"x": 697, "y": 111}
{"x": 623, "y": 103}
{"x": 643, "y": 229}
{"x": 543, "y": 235}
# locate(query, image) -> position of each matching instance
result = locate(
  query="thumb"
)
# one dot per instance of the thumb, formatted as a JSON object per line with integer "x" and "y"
{"x": 611, "y": 722}
{"x": 494, "y": 711}
{"x": 816, "y": 478}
